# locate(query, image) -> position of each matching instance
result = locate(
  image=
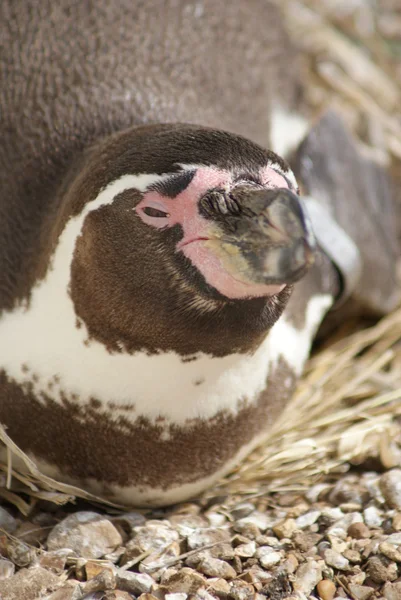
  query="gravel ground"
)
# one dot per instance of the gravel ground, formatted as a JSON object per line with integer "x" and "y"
{"x": 339, "y": 540}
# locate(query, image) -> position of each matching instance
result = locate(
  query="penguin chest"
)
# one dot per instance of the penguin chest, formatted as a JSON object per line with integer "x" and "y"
{"x": 147, "y": 429}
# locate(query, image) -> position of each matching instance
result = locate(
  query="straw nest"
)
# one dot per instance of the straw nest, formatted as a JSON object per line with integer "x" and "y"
{"x": 347, "y": 408}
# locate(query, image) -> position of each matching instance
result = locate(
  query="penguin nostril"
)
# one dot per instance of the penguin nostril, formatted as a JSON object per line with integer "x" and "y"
{"x": 217, "y": 203}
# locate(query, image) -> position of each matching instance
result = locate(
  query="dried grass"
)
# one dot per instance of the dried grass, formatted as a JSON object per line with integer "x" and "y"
{"x": 345, "y": 411}
{"x": 347, "y": 407}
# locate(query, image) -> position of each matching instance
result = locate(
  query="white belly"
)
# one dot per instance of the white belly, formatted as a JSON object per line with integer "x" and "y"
{"x": 42, "y": 342}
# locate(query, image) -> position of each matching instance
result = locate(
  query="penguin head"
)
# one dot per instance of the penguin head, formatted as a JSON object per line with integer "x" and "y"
{"x": 247, "y": 235}
{"x": 236, "y": 214}
{"x": 185, "y": 216}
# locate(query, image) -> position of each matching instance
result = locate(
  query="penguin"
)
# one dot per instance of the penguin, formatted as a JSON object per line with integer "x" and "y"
{"x": 161, "y": 280}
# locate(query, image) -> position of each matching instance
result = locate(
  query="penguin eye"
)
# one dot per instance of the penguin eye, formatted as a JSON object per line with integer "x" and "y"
{"x": 154, "y": 212}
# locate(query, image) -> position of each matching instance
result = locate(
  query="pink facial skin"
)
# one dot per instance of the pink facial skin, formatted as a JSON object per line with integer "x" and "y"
{"x": 183, "y": 209}
{"x": 272, "y": 179}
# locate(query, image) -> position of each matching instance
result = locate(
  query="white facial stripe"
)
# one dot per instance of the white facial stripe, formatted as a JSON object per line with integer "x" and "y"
{"x": 288, "y": 174}
{"x": 270, "y": 164}
{"x": 287, "y": 130}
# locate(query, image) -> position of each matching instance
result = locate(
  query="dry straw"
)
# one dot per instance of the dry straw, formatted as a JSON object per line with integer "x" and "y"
{"x": 347, "y": 408}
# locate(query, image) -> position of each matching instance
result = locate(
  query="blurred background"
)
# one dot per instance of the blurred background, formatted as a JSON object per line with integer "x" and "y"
{"x": 352, "y": 60}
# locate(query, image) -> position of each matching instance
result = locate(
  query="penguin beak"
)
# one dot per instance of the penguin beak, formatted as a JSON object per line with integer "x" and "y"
{"x": 265, "y": 235}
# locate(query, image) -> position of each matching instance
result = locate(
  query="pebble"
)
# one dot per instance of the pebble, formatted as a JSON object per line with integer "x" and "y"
{"x": 307, "y": 519}
{"x": 394, "y": 538}
{"x": 305, "y": 541}
{"x": 216, "y": 519}
{"x": 19, "y": 553}
{"x": 338, "y": 544}
{"x": 361, "y": 592}
{"x": 104, "y": 581}
{"x": 70, "y": 591}
{"x": 353, "y": 556}
{"x": 246, "y": 550}
{"x": 202, "y": 594}
{"x": 322, "y": 547}
{"x": 129, "y": 520}
{"x": 326, "y": 589}
{"x": 392, "y": 591}
{"x": 186, "y": 580}
{"x": 7, "y": 521}
{"x": 239, "y": 539}
{"x": 371, "y": 481}
{"x": 340, "y": 527}
{"x": 313, "y": 494}
{"x": 358, "y": 577}
{"x": 28, "y": 584}
{"x": 285, "y": 528}
{"x": 54, "y": 561}
{"x": 268, "y": 540}
{"x": 7, "y": 568}
{"x": 348, "y": 507}
{"x": 137, "y": 583}
{"x": 240, "y": 590}
{"x": 238, "y": 564}
{"x": 261, "y": 520}
{"x": 154, "y": 536}
{"x": 262, "y": 550}
{"x": 295, "y": 511}
{"x": 332, "y": 514}
{"x": 214, "y": 567}
{"x": 396, "y": 523}
{"x": 160, "y": 558}
{"x": 219, "y": 587}
{"x": 242, "y": 510}
{"x": 372, "y": 517}
{"x": 203, "y": 537}
{"x": 358, "y": 531}
{"x": 307, "y": 577}
{"x": 290, "y": 564}
{"x": 88, "y": 534}
{"x": 187, "y": 524}
{"x": 390, "y": 487}
{"x": 115, "y": 556}
{"x": 345, "y": 491}
{"x": 390, "y": 551}
{"x": 269, "y": 560}
{"x": 381, "y": 569}
{"x": 336, "y": 560}
{"x": 256, "y": 575}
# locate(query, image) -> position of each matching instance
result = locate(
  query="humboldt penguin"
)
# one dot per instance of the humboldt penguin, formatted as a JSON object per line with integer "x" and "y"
{"x": 161, "y": 276}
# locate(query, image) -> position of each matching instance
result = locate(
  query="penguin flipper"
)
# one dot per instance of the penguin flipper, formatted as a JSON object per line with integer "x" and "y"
{"x": 360, "y": 195}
